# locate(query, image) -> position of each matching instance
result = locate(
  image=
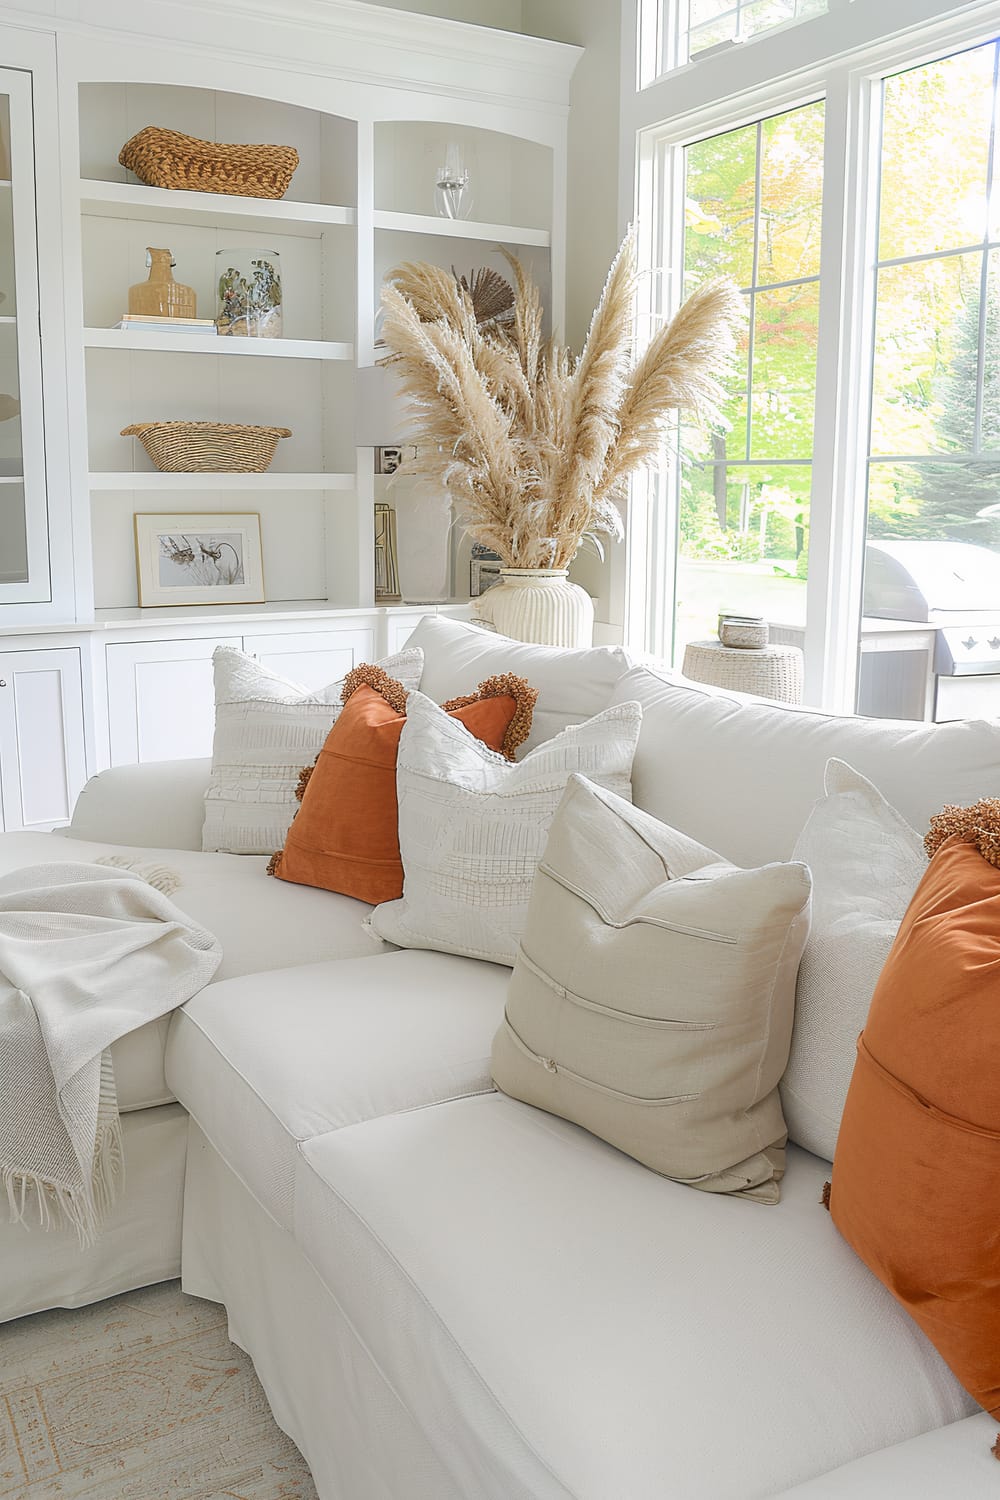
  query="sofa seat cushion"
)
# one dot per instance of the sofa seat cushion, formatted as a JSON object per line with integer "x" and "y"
{"x": 594, "y": 1330}
{"x": 261, "y": 924}
{"x": 266, "y": 1062}
{"x": 950, "y": 1461}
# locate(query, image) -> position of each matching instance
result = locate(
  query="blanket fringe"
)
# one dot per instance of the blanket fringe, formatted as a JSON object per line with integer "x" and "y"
{"x": 59, "y": 1207}
{"x": 160, "y": 877}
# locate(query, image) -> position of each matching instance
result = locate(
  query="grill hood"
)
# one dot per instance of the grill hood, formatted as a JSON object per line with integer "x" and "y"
{"x": 932, "y": 582}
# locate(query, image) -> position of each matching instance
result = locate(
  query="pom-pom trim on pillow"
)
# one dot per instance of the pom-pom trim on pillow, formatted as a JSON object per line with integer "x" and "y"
{"x": 506, "y": 685}
{"x": 978, "y": 824}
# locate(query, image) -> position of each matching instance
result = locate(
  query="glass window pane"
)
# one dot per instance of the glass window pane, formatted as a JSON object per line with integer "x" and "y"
{"x": 791, "y": 194}
{"x": 720, "y": 194}
{"x": 935, "y": 149}
{"x": 744, "y": 511}
{"x": 926, "y": 343}
{"x": 744, "y": 534}
{"x": 10, "y": 423}
{"x": 786, "y": 331}
{"x": 954, "y": 501}
{"x": 699, "y": 24}
{"x": 13, "y": 543}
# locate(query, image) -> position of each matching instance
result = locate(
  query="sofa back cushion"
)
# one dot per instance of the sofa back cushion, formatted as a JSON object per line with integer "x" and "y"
{"x": 740, "y": 774}
{"x": 572, "y": 685}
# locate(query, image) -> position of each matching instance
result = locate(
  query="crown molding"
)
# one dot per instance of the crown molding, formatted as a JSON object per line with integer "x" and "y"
{"x": 345, "y": 38}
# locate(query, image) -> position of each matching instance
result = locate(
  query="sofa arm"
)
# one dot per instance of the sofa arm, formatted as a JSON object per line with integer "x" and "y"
{"x": 160, "y": 805}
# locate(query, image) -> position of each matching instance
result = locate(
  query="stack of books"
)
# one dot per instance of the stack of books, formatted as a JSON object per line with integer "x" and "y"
{"x": 137, "y": 323}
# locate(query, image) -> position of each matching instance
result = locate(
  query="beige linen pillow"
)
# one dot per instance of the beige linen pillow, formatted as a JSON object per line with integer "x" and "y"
{"x": 653, "y": 995}
{"x": 266, "y": 730}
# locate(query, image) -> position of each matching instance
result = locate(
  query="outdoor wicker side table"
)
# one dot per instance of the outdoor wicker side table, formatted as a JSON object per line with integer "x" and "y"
{"x": 765, "y": 671}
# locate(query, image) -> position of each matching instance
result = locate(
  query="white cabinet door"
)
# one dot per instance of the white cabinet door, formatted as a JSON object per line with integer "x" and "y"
{"x": 43, "y": 762}
{"x": 314, "y": 658}
{"x": 161, "y": 702}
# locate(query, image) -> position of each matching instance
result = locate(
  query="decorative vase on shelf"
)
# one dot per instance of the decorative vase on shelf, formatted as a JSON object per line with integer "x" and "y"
{"x": 249, "y": 283}
{"x": 540, "y": 605}
{"x": 160, "y": 296}
{"x": 452, "y": 199}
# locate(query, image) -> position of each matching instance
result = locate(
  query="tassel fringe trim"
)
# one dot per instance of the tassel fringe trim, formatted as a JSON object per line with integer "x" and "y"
{"x": 53, "y": 1205}
{"x": 160, "y": 877}
{"x": 379, "y": 681}
{"x": 978, "y": 824}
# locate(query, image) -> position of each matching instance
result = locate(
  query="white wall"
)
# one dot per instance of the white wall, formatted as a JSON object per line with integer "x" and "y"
{"x": 595, "y": 230}
{"x": 505, "y": 14}
{"x": 593, "y": 143}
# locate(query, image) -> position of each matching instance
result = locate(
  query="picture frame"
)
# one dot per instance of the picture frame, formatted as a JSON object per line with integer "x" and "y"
{"x": 387, "y": 589}
{"x": 198, "y": 557}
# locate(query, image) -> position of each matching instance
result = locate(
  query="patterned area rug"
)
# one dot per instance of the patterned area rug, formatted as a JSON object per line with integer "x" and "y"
{"x": 139, "y": 1398}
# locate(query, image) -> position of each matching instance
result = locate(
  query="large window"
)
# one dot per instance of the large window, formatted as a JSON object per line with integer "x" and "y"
{"x": 753, "y": 207}
{"x": 847, "y": 174}
{"x": 686, "y": 30}
{"x": 934, "y": 471}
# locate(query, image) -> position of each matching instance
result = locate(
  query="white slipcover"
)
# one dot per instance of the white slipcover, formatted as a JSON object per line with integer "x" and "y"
{"x": 268, "y": 1061}
{"x": 741, "y": 775}
{"x": 950, "y": 1463}
{"x": 573, "y": 685}
{"x": 584, "y": 1328}
{"x": 141, "y": 1240}
{"x": 261, "y": 923}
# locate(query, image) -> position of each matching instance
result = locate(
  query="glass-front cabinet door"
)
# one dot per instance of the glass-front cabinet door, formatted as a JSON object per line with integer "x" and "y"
{"x": 24, "y": 571}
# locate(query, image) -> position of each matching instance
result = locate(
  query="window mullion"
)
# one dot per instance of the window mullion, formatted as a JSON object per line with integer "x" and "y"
{"x": 838, "y": 515}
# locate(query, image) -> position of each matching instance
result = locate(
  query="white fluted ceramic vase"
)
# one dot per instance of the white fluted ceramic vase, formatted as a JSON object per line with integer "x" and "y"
{"x": 540, "y": 605}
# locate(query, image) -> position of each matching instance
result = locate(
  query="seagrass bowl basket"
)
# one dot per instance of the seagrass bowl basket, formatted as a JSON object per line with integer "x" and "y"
{"x": 167, "y": 159}
{"x": 208, "y": 447}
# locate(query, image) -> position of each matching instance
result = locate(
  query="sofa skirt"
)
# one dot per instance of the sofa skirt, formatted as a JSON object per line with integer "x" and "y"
{"x": 323, "y": 1386}
{"x": 139, "y": 1245}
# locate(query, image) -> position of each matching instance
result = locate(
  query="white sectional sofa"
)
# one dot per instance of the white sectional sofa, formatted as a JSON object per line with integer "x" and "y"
{"x": 447, "y": 1294}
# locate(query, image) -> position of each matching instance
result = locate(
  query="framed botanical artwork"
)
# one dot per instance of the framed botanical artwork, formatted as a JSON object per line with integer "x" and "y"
{"x": 196, "y": 558}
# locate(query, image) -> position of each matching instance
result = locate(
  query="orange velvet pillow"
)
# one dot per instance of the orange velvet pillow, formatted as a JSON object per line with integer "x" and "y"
{"x": 916, "y": 1177}
{"x": 345, "y": 834}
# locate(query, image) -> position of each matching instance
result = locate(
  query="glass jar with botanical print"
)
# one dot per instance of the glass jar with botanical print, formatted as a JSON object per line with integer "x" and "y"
{"x": 249, "y": 289}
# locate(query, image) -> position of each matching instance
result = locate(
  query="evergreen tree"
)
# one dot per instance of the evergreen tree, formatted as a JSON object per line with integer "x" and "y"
{"x": 951, "y": 496}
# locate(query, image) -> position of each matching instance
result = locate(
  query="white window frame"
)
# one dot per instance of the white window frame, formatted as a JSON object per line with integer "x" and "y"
{"x": 840, "y": 57}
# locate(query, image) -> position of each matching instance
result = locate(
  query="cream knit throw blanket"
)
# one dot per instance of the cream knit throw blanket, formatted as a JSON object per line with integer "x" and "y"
{"x": 87, "y": 954}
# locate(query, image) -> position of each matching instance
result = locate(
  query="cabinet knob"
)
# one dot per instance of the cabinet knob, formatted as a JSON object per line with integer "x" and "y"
{"x": 3, "y": 682}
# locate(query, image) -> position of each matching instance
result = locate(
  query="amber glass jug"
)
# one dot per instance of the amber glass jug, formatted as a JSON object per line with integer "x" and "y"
{"x": 161, "y": 296}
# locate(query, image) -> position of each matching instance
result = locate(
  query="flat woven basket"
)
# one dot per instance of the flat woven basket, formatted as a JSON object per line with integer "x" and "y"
{"x": 208, "y": 447}
{"x": 166, "y": 159}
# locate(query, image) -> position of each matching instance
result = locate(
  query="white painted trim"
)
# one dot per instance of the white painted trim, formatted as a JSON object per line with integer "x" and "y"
{"x": 231, "y": 348}
{"x": 142, "y": 479}
{"x": 345, "y": 38}
{"x": 127, "y": 200}
{"x": 460, "y": 229}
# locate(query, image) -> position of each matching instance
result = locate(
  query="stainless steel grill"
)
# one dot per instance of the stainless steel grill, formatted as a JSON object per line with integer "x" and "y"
{"x": 949, "y": 592}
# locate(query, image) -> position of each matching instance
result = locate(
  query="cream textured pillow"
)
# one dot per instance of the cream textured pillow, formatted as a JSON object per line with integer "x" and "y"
{"x": 472, "y": 826}
{"x": 652, "y": 998}
{"x": 866, "y": 863}
{"x": 266, "y": 730}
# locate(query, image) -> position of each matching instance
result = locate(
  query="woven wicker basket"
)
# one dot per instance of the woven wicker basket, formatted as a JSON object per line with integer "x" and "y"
{"x": 208, "y": 447}
{"x": 166, "y": 159}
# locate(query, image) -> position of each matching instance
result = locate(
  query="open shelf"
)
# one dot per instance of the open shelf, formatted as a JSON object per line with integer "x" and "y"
{"x": 460, "y": 229}
{"x": 120, "y": 200}
{"x": 190, "y": 343}
{"x": 155, "y": 480}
